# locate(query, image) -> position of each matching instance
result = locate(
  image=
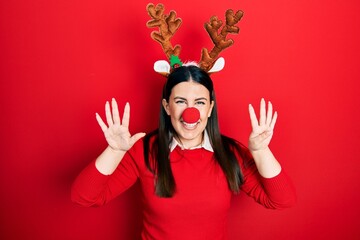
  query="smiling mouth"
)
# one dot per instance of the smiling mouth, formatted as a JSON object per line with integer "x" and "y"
{"x": 189, "y": 125}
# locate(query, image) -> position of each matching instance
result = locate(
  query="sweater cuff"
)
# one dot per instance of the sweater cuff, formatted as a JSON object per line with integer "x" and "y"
{"x": 279, "y": 182}
{"x": 92, "y": 175}
{"x": 87, "y": 184}
{"x": 280, "y": 190}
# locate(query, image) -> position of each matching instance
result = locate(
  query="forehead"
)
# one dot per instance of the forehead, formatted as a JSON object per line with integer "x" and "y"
{"x": 190, "y": 90}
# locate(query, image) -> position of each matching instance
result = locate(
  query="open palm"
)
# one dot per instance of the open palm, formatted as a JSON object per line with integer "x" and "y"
{"x": 116, "y": 131}
{"x": 262, "y": 130}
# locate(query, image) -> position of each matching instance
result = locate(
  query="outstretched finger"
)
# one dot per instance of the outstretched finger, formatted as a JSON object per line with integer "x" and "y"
{"x": 115, "y": 111}
{"x": 126, "y": 116}
{"x": 101, "y": 123}
{"x": 269, "y": 114}
{"x": 253, "y": 119}
{"x": 273, "y": 121}
{"x": 109, "y": 119}
{"x": 262, "y": 112}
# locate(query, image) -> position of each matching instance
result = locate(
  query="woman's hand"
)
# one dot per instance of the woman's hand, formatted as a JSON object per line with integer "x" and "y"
{"x": 262, "y": 130}
{"x": 116, "y": 132}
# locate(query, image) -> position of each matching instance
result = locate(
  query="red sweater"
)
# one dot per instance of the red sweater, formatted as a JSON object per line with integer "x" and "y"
{"x": 199, "y": 207}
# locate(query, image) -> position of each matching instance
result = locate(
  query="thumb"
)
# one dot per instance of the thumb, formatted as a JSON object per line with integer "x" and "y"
{"x": 136, "y": 137}
{"x": 265, "y": 135}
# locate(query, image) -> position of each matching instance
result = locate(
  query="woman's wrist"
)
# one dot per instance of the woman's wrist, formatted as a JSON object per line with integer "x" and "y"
{"x": 266, "y": 163}
{"x": 116, "y": 151}
{"x": 260, "y": 153}
{"x": 108, "y": 161}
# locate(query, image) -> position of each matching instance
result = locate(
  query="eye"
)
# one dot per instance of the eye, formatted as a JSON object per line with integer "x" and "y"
{"x": 180, "y": 102}
{"x": 200, "y": 103}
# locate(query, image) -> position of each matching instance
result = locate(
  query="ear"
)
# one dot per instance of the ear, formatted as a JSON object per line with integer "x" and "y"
{"x": 166, "y": 106}
{"x": 162, "y": 67}
{"x": 211, "y": 108}
{"x": 218, "y": 65}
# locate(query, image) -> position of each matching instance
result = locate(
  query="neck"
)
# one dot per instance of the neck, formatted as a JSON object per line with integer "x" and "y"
{"x": 190, "y": 143}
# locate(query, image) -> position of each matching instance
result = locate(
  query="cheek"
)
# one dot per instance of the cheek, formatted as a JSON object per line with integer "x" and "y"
{"x": 175, "y": 112}
{"x": 204, "y": 113}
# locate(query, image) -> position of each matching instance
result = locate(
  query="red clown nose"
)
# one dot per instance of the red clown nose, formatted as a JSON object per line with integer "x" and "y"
{"x": 191, "y": 115}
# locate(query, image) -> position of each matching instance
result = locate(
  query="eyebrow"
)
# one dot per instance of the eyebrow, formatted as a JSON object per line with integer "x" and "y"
{"x": 196, "y": 99}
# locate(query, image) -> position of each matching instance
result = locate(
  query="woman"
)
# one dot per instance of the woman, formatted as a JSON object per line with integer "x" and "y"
{"x": 188, "y": 171}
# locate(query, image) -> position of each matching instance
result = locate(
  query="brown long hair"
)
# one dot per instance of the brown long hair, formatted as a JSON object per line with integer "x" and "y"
{"x": 224, "y": 147}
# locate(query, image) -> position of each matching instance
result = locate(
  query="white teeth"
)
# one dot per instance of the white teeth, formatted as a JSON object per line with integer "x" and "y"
{"x": 190, "y": 125}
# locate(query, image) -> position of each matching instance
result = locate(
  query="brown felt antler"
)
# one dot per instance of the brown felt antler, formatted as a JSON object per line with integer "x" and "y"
{"x": 219, "y": 39}
{"x": 168, "y": 25}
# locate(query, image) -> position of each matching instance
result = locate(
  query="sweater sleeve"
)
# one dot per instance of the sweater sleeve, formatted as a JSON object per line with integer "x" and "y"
{"x": 275, "y": 193}
{"x": 92, "y": 188}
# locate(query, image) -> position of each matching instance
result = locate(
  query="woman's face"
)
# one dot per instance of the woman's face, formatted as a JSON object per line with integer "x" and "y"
{"x": 184, "y": 95}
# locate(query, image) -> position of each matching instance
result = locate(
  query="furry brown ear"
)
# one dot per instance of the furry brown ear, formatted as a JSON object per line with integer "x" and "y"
{"x": 219, "y": 38}
{"x": 167, "y": 24}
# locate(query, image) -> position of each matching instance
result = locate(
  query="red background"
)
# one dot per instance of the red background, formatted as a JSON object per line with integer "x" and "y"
{"x": 61, "y": 60}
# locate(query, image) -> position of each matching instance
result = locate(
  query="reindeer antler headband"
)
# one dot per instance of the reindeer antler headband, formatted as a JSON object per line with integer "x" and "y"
{"x": 169, "y": 24}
